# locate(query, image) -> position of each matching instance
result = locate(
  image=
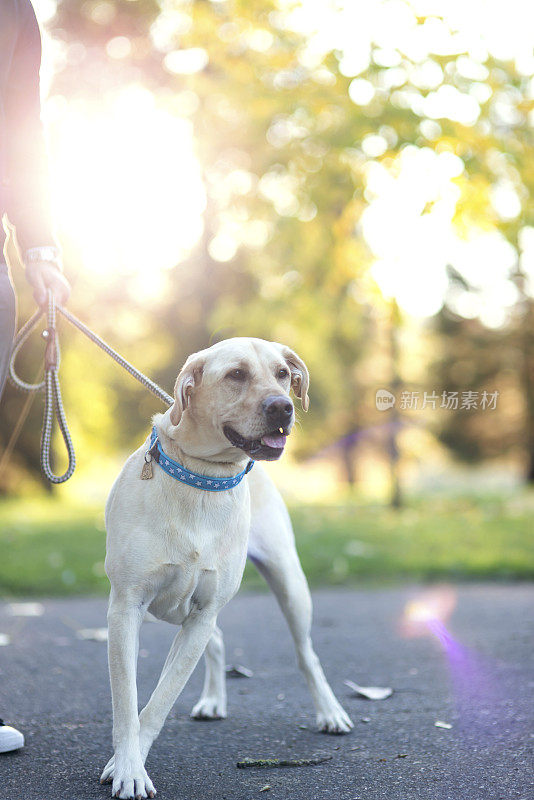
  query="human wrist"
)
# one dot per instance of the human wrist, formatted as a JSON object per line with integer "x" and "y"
{"x": 48, "y": 254}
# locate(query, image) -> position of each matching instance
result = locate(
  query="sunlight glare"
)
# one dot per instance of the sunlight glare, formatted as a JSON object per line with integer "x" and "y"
{"x": 478, "y": 27}
{"x": 415, "y": 203}
{"x": 416, "y": 207}
{"x": 127, "y": 186}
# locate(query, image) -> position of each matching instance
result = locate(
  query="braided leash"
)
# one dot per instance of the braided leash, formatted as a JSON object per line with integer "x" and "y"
{"x": 53, "y": 401}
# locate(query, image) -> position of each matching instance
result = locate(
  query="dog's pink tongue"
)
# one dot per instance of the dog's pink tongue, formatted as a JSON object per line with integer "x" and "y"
{"x": 277, "y": 440}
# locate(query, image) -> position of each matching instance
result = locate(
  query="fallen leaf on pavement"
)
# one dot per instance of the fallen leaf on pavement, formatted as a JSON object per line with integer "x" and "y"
{"x": 238, "y": 671}
{"x": 26, "y": 609}
{"x": 370, "y": 692}
{"x": 97, "y": 634}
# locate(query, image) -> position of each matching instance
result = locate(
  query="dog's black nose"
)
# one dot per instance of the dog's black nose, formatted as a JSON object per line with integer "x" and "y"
{"x": 278, "y": 410}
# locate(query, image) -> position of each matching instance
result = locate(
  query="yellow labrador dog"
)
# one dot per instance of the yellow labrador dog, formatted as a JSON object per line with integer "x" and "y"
{"x": 180, "y": 519}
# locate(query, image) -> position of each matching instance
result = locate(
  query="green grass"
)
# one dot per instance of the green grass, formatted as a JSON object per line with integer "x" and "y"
{"x": 50, "y": 547}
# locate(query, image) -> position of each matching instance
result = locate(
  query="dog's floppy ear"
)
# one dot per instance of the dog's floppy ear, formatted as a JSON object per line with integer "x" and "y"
{"x": 300, "y": 378}
{"x": 189, "y": 377}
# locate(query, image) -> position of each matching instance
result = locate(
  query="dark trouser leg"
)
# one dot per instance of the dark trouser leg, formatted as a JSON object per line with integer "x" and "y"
{"x": 7, "y": 322}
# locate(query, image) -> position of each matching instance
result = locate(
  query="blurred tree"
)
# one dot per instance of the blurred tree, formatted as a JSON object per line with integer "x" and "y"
{"x": 496, "y": 354}
{"x": 278, "y": 257}
{"x": 477, "y": 359}
{"x": 286, "y": 133}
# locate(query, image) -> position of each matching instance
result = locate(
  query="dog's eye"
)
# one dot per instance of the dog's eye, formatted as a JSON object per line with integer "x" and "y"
{"x": 237, "y": 374}
{"x": 283, "y": 372}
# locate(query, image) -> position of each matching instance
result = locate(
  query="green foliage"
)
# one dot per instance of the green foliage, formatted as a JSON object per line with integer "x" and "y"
{"x": 281, "y": 119}
{"x": 56, "y": 548}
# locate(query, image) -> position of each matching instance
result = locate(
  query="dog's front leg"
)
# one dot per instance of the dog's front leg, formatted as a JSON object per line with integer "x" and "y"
{"x": 186, "y": 650}
{"x": 129, "y": 775}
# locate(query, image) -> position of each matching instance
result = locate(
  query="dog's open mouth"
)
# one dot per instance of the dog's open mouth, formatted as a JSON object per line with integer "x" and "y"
{"x": 268, "y": 447}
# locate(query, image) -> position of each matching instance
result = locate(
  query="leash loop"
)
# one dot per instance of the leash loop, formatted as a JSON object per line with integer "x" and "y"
{"x": 19, "y": 340}
{"x": 53, "y": 405}
{"x": 53, "y": 401}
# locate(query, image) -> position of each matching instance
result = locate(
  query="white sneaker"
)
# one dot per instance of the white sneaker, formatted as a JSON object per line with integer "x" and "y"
{"x": 10, "y": 738}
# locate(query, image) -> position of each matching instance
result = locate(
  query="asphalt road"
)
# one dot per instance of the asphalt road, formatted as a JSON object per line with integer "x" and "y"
{"x": 54, "y": 686}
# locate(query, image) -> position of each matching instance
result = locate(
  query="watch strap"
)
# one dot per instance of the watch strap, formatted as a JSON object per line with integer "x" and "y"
{"x": 48, "y": 254}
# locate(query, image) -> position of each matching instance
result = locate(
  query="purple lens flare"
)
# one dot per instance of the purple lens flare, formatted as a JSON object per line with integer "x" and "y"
{"x": 474, "y": 679}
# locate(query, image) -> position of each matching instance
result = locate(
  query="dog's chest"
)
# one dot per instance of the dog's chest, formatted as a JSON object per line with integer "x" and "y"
{"x": 203, "y": 533}
{"x": 201, "y": 558}
{"x": 183, "y": 590}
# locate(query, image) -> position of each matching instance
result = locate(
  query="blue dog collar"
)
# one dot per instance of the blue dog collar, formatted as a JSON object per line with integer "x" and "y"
{"x": 184, "y": 475}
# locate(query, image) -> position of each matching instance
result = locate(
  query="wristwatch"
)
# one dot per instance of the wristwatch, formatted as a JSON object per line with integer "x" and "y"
{"x": 51, "y": 255}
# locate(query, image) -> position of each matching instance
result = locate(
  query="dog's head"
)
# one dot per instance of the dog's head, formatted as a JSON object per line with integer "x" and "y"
{"x": 235, "y": 394}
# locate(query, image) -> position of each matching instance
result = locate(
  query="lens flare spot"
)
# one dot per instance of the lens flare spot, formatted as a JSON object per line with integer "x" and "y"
{"x": 429, "y": 610}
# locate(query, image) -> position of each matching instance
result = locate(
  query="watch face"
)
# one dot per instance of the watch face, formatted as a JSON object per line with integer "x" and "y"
{"x": 42, "y": 254}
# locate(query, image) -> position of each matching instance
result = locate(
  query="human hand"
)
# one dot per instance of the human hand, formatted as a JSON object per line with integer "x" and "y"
{"x": 43, "y": 275}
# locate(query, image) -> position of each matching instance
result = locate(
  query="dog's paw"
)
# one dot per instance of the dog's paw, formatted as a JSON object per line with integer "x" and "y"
{"x": 130, "y": 780}
{"x": 107, "y": 774}
{"x": 209, "y": 708}
{"x": 335, "y": 721}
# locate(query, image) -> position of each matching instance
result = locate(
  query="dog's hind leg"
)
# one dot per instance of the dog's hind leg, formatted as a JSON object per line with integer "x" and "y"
{"x": 272, "y": 549}
{"x": 285, "y": 577}
{"x": 212, "y": 702}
